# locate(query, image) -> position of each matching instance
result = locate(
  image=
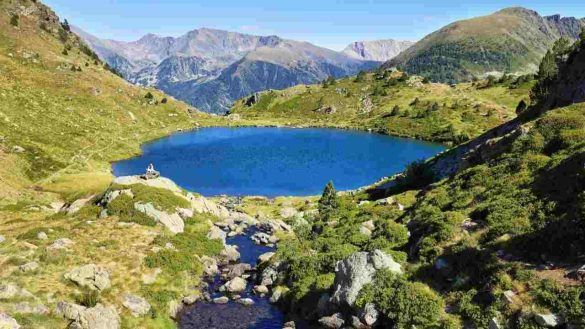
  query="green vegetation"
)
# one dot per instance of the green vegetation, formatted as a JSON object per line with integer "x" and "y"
{"x": 14, "y": 20}
{"x": 392, "y": 103}
{"x": 510, "y": 40}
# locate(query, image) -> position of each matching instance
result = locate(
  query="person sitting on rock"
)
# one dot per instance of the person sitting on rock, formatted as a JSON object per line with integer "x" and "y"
{"x": 150, "y": 172}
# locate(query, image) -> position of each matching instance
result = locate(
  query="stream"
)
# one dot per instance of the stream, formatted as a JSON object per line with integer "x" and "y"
{"x": 261, "y": 315}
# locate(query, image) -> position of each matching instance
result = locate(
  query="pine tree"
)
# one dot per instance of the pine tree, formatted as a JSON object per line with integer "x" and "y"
{"x": 521, "y": 107}
{"x": 329, "y": 200}
{"x": 66, "y": 26}
{"x": 14, "y": 20}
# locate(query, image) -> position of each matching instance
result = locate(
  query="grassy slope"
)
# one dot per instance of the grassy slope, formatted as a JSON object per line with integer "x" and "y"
{"x": 68, "y": 122}
{"x": 71, "y": 125}
{"x": 510, "y": 40}
{"x": 463, "y": 111}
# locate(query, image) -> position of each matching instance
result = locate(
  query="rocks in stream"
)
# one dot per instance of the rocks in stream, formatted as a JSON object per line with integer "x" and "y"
{"x": 235, "y": 285}
{"x": 230, "y": 254}
{"x": 334, "y": 321}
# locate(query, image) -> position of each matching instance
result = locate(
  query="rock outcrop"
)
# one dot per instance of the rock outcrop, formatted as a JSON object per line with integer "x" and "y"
{"x": 137, "y": 305}
{"x": 97, "y": 317}
{"x": 173, "y": 222}
{"x": 353, "y": 273}
{"x": 7, "y": 322}
{"x": 90, "y": 276}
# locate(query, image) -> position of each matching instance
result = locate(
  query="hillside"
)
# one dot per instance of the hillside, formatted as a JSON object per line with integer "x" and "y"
{"x": 512, "y": 40}
{"x": 497, "y": 243}
{"x": 391, "y": 103}
{"x": 211, "y": 68}
{"x": 377, "y": 50}
{"x": 51, "y": 80}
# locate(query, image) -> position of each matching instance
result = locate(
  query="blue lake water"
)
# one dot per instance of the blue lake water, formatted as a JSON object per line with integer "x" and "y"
{"x": 275, "y": 161}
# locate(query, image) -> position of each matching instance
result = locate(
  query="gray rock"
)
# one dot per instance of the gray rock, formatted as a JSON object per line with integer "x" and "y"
{"x": 90, "y": 276}
{"x": 98, "y": 317}
{"x": 61, "y": 244}
{"x": 576, "y": 274}
{"x": 215, "y": 233}
{"x": 277, "y": 294}
{"x": 150, "y": 278}
{"x": 265, "y": 257}
{"x": 289, "y": 325}
{"x": 175, "y": 308}
{"x": 494, "y": 323}
{"x": 260, "y": 290}
{"x": 18, "y": 149}
{"x": 160, "y": 182}
{"x": 29, "y": 267}
{"x": 28, "y": 308}
{"x": 334, "y": 321}
{"x": 138, "y": 306}
{"x": 42, "y": 236}
{"x": 210, "y": 267}
{"x": 7, "y": 322}
{"x": 77, "y": 205}
{"x": 369, "y": 315}
{"x": 246, "y": 301}
{"x": 509, "y": 296}
{"x": 288, "y": 212}
{"x": 236, "y": 284}
{"x": 358, "y": 270}
{"x": 2, "y": 238}
{"x": 202, "y": 205}
{"x": 221, "y": 300}
{"x": 173, "y": 222}
{"x": 9, "y": 291}
{"x": 548, "y": 320}
{"x": 190, "y": 300}
{"x": 237, "y": 270}
{"x": 356, "y": 323}
{"x": 230, "y": 253}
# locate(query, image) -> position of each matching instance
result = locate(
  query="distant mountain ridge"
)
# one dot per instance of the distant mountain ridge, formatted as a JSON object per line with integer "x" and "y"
{"x": 512, "y": 40}
{"x": 210, "y": 69}
{"x": 377, "y": 50}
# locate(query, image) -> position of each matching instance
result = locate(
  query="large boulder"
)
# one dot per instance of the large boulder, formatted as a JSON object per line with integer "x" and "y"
{"x": 160, "y": 182}
{"x": 235, "y": 285}
{"x": 215, "y": 233}
{"x": 173, "y": 222}
{"x": 138, "y": 306}
{"x": 210, "y": 267}
{"x": 230, "y": 254}
{"x": 353, "y": 273}
{"x": 202, "y": 205}
{"x": 334, "y": 321}
{"x": 7, "y": 322}
{"x": 265, "y": 257}
{"x": 9, "y": 291}
{"x": 90, "y": 276}
{"x": 548, "y": 320}
{"x": 77, "y": 205}
{"x": 97, "y": 317}
{"x": 29, "y": 267}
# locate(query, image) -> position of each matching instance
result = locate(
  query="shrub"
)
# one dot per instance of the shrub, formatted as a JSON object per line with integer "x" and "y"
{"x": 417, "y": 175}
{"x": 14, "y": 20}
{"x": 123, "y": 207}
{"x": 329, "y": 200}
{"x": 89, "y": 298}
{"x": 149, "y": 96}
{"x": 405, "y": 304}
{"x": 164, "y": 100}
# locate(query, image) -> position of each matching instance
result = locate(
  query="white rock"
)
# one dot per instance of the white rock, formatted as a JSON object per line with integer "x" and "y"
{"x": 29, "y": 267}
{"x": 90, "y": 276}
{"x": 215, "y": 233}
{"x": 288, "y": 212}
{"x": 137, "y": 305}
{"x": 61, "y": 244}
{"x": 221, "y": 300}
{"x": 246, "y": 301}
{"x": 548, "y": 320}
{"x": 265, "y": 257}
{"x": 174, "y": 308}
{"x": 42, "y": 236}
{"x": 77, "y": 205}
{"x": 230, "y": 253}
{"x": 160, "y": 182}
{"x": 2, "y": 238}
{"x": 236, "y": 284}
{"x": 353, "y": 273}
{"x": 7, "y": 322}
{"x": 173, "y": 222}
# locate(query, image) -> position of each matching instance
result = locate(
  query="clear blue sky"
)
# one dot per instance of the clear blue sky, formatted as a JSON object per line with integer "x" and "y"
{"x": 328, "y": 23}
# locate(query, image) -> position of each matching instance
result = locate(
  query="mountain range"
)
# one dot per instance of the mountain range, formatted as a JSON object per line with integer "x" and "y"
{"x": 211, "y": 68}
{"x": 512, "y": 40}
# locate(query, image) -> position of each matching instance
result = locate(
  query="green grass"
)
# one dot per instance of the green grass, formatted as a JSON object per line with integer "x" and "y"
{"x": 391, "y": 104}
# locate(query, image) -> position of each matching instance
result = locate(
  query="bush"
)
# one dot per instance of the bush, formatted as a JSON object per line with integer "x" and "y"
{"x": 416, "y": 176}
{"x": 405, "y": 304}
{"x": 149, "y": 96}
{"x": 89, "y": 298}
{"x": 14, "y": 20}
{"x": 123, "y": 207}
